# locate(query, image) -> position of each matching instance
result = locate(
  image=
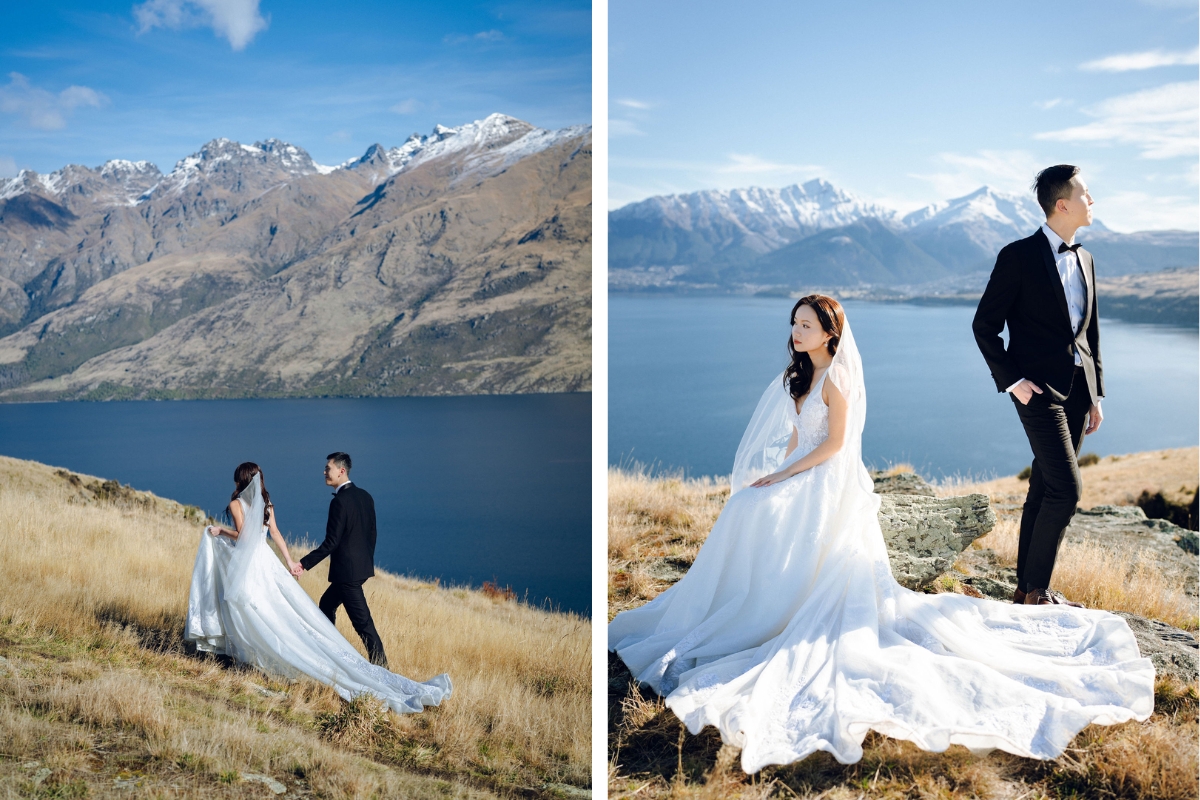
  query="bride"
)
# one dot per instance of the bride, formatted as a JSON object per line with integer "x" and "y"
{"x": 245, "y": 604}
{"x": 790, "y": 635}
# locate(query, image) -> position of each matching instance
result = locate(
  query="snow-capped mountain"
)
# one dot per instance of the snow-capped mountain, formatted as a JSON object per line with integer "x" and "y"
{"x": 497, "y": 140}
{"x": 713, "y": 237}
{"x": 470, "y": 244}
{"x": 115, "y": 182}
{"x": 705, "y": 225}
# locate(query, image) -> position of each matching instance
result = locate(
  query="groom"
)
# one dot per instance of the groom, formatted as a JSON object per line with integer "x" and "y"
{"x": 1044, "y": 289}
{"x": 350, "y": 545}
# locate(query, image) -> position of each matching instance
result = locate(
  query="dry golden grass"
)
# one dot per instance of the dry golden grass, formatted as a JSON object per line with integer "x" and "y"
{"x": 1115, "y": 480}
{"x": 658, "y": 524}
{"x": 1109, "y": 577}
{"x": 91, "y": 621}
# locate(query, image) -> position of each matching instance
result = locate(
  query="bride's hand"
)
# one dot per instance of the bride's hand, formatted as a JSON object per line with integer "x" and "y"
{"x": 769, "y": 480}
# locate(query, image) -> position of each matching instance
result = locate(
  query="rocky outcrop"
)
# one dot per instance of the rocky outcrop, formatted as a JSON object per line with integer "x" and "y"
{"x": 925, "y": 535}
{"x": 901, "y": 483}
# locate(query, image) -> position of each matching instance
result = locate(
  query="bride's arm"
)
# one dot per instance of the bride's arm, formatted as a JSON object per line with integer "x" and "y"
{"x": 826, "y": 449}
{"x": 277, "y": 537}
{"x": 235, "y": 511}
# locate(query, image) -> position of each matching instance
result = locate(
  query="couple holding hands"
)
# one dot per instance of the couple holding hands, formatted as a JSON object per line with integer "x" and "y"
{"x": 245, "y": 604}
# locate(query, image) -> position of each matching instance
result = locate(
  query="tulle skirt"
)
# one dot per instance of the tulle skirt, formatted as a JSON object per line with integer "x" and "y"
{"x": 789, "y": 635}
{"x": 277, "y": 627}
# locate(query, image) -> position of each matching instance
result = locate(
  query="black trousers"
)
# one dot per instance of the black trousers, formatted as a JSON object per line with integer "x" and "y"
{"x": 1055, "y": 432}
{"x": 351, "y": 596}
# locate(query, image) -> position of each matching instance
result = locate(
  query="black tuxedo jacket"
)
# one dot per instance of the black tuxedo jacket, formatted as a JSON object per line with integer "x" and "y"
{"x": 349, "y": 537}
{"x": 1026, "y": 293}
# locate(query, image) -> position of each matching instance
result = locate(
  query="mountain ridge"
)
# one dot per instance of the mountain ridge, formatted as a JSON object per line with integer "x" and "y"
{"x": 738, "y": 240}
{"x": 123, "y": 292}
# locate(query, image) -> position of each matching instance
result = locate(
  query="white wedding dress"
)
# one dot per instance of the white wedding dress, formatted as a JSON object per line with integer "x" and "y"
{"x": 244, "y": 603}
{"x": 790, "y": 635}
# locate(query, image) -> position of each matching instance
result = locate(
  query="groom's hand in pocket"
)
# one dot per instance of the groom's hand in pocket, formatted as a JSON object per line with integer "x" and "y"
{"x": 1025, "y": 390}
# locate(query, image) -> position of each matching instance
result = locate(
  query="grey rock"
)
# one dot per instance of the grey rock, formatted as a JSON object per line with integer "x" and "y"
{"x": 901, "y": 483}
{"x": 925, "y": 535}
{"x": 272, "y": 784}
{"x": 1173, "y": 651}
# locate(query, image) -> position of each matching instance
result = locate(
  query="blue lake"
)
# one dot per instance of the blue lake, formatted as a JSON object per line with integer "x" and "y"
{"x": 686, "y": 372}
{"x": 466, "y": 489}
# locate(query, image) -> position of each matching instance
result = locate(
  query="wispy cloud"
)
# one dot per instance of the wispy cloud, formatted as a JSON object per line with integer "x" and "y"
{"x": 482, "y": 36}
{"x": 409, "y": 106}
{"x": 238, "y": 21}
{"x": 748, "y": 165}
{"x": 624, "y": 127}
{"x": 1127, "y": 62}
{"x": 42, "y": 109}
{"x": 628, "y": 102}
{"x": 959, "y": 174}
{"x": 1161, "y": 122}
{"x": 1046, "y": 105}
{"x": 1141, "y": 211}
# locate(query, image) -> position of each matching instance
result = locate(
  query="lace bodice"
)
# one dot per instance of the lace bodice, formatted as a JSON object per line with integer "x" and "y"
{"x": 812, "y": 423}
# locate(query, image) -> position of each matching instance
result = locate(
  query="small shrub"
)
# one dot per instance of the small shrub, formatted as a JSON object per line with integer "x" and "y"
{"x": 1158, "y": 507}
{"x": 497, "y": 592}
{"x": 1088, "y": 459}
{"x": 1024, "y": 474}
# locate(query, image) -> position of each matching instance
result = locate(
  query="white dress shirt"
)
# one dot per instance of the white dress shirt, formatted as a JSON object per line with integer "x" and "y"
{"x": 335, "y": 491}
{"x": 1071, "y": 274}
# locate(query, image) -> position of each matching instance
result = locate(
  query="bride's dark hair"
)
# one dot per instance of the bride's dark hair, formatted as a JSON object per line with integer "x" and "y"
{"x": 799, "y": 373}
{"x": 242, "y": 476}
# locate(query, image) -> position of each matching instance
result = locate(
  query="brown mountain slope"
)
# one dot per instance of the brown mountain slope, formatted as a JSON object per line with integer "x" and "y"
{"x": 452, "y": 277}
{"x": 457, "y": 263}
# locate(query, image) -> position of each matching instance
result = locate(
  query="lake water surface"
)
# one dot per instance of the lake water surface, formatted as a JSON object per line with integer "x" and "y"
{"x": 466, "y": 489}
{"x": 686, "y": 372}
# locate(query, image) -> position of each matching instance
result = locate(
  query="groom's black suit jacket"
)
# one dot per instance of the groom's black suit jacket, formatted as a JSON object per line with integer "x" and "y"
{"x": 1026, "y": 293}
{"x": 349, "y": 537}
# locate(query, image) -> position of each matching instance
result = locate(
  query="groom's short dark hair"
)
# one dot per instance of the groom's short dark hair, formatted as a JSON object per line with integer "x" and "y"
{"x": 341, "y": 460}
{"x": 1053, "y": 184}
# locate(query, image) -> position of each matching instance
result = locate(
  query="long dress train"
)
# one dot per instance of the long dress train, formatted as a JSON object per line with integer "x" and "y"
{"x": 244, "y": 603}
{"x": 790, "y": 635}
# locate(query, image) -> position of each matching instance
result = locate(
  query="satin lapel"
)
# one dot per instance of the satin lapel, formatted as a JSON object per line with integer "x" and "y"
{"x": 1089, "y": 272}
{"x": 1052, "y": 271}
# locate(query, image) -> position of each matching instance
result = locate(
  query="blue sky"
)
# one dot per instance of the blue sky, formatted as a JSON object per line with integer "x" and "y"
{"x": 909, "y": 103}
{"x": 83, "y": 82}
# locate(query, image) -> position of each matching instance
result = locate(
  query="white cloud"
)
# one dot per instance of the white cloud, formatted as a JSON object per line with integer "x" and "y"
{"x": 747, "y": 165}
{"x": 1162, "y": 122}
{"x": 1126, "y": 62}
{"x": 628, "y": 102}
{"x": 8, "y": 167}
{"x": 482, "y": 36}
{"x": 409, "y": 106}
{"x": 624, "y": 127}
{"x": 42, "y": 109}
{"x": 235, "y": 20}
{"x": 1140, "y": 211}
{"x": 1046, "y": 105}
{"x": 1006, "y": 170}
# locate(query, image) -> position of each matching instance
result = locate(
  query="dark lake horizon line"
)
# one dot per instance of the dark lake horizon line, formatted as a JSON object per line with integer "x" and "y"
{"x": 467, "y": 488}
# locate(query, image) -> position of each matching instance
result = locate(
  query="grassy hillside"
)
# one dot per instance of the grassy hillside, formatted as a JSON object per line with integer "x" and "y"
{"x": 98, "y": 692}
{"x": 657, "y": 525}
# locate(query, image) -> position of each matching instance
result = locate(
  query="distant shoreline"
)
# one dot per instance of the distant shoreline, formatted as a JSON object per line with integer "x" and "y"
{"x": 1167, "y": 297}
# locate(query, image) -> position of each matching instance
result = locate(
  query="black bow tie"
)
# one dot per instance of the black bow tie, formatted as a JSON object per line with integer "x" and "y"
{"x": 1064, "y": 247}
